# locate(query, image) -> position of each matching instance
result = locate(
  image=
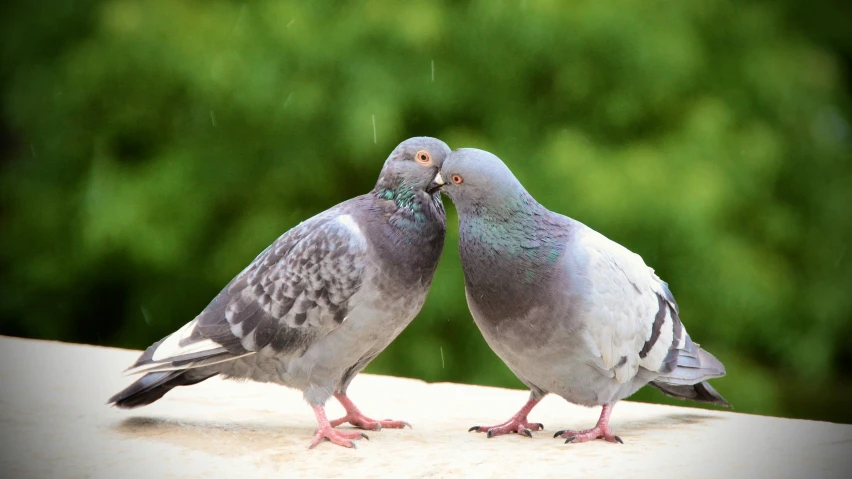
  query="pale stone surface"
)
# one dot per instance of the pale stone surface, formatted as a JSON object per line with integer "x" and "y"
{"x": 55, "y": 425}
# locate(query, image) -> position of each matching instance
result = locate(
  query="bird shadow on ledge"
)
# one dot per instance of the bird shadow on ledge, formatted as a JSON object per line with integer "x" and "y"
{"x": 239, "y": 438}
{"x": 669, "y": 420}
{"x": 217, "y": 437}
{"x": 654, "y": 422}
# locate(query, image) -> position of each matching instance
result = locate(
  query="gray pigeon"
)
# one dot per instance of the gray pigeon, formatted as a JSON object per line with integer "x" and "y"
{"x": 569, "y": 311}
{"x": 315, "y": 307}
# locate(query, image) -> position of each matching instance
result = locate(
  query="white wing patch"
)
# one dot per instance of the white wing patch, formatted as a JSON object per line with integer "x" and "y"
{"x": 351, "y": 225}
{"x": 171, "y": 348}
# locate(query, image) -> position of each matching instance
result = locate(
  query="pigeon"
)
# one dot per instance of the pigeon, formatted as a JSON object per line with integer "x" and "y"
{"x": 569, "y": 311}
{"x": 321, "y": 302}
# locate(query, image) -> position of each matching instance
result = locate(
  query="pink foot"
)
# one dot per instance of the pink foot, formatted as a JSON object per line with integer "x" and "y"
{"x": 600, "y": 431}
{"x": 326, "y": 432}
{"x": 363, "y": 422}
{"x": 517, "y": 424}
{"x": 341, "y": 438}
{"x": 596, "y": 432}
{"x": 356, "y": 418}
{"x": 514, "y": 425}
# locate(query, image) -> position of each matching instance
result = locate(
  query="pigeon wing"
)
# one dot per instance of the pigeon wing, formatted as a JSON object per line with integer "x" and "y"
{"x": 633, "y": 319}
{"x": 297, "y": 290}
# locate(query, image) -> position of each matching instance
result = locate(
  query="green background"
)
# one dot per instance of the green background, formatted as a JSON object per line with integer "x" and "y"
{"x": 150, "y": 149}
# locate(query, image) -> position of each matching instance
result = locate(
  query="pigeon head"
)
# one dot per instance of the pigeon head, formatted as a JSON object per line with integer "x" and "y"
{"x": 475, "y": 178}
{"x": 412, "y": 165}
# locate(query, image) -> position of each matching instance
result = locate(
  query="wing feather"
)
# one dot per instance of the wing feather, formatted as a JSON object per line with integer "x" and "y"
{"x": 297, "y": 290}
{"x": 634, "y": 320}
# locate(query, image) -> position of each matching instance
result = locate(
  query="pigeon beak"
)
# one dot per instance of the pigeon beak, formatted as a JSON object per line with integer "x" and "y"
{"x": 436, "y": 184}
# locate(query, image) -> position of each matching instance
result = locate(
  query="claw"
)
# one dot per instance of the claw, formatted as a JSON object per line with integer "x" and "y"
{"x": 326, "y": 432}
{"x": 358, "y": 419}
{"x": 362, "y": 422}
{"x": 341, "y": 438}
{"x": 559, "y": 433}
{"x": 490, "y": 434}
{"x": 404, "y": 423}
{"x": 600, "y": 431}
{"x": 517, "y": 424}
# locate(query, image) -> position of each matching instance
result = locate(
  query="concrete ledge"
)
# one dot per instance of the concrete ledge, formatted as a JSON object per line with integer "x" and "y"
{"x": 55, "y": 425}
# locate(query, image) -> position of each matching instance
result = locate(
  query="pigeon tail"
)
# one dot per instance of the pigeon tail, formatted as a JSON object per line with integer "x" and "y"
{"x": 153, "y": 386}
{"x": 689, "y": 379}
{"x": 701, "y": 392}
{"x": 693, "y": 366}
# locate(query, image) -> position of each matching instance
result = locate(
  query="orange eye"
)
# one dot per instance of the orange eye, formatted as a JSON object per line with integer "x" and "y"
{"x": 457, "y": 179}
{"x": 423, "y": 157}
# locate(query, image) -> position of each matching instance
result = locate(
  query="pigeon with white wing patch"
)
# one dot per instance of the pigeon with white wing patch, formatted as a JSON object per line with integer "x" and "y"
{"x": 321, "y": 302}
{"x": 569, "y": 311}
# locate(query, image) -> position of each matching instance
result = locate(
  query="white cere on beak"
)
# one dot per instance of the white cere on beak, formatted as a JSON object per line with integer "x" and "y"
{"x": 439, "y": 179}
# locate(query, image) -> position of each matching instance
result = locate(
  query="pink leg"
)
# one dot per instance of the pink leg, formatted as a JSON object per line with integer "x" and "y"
{"x": 516, "y": 424}
{"x": 356, "y": 418}
{"x": 326, "y": 431}
{"x": 600, "y": 431}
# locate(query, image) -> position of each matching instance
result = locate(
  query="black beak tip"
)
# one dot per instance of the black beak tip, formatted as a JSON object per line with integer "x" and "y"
{"x": 434, "y": 188}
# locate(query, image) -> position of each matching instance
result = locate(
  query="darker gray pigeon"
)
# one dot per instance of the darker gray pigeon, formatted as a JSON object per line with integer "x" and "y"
{"x": 569, "y": 311}
{"x": 321, "y": 302}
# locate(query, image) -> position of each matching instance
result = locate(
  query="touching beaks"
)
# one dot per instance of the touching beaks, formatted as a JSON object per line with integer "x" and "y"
{"x": 436, "y": 184}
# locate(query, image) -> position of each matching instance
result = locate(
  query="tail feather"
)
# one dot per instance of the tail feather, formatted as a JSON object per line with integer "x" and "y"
{"x": 185, "y": 362}
{"x": 153, "y": 386}
{"x": 183, "y": 349}
{"x": 701, "y": 392}
{"x": 693, "y": 366}
{"x": 689, "y": 379}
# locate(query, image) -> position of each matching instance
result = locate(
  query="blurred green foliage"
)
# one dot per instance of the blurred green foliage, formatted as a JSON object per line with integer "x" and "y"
{"x": 152, "y": 148}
